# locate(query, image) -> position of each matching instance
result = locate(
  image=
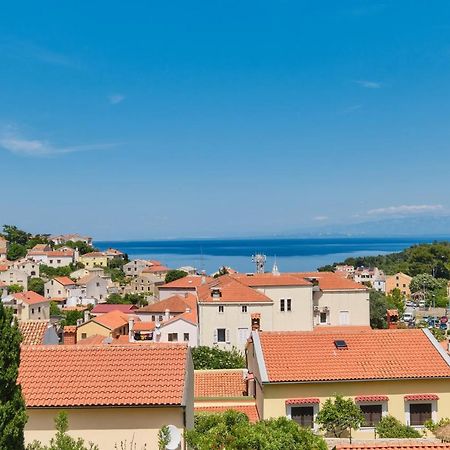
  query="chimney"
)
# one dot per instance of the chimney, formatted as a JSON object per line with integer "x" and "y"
{"x": 130, "y": 329}
{"x": 70, "y": 335}
{"x": 392, "y": 318}
{"x": 167, "y": 314}
{"x": 86, "y": 315}
{"x": 188, "y": 310}
{"x": 256, "y": 321}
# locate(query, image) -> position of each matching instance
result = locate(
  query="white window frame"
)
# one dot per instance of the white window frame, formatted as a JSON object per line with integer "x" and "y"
{"x": 315, "y": 406}
{"x": 384, "y": 411}
{"x": 434, "y": 415}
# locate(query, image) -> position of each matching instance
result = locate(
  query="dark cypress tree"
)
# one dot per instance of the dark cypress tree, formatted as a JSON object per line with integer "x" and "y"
{"x": 12, "y": 405}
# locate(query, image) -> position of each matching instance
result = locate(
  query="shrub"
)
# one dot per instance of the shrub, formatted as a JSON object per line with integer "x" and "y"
{"x": 215, "y": 358}
{"x": 390, "y": 427}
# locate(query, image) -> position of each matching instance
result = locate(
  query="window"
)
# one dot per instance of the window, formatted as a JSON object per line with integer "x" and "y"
{"x": 282, "y": 305}
{"x": 221, "y": 335}
{"x": 186, "y": 337}
{"x": 58, "y": 261}
{"x": 323, "y": 317}
{"x": 39, "y": 309}
{"x": 153, "y": 318}
{"x": 372, "y": 414}
{"x": 419, "y": 413}
{"x": 83, "y": 335}
{"x": 303, "y": 415}
{"x": 288, "y": 304}
{"x": 172, "y": 337}
{"x": 244, "y": 308}
{"x": 32, "y": 310}
{"x": 221, "y": 309}
{"x": 344, "y": 318}
{"x": 160, "y": 318}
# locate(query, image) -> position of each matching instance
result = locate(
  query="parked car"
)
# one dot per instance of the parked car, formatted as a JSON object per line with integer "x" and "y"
{"x": 422, "y": 304}
{"x": 443, "y": 326}
{"x": 408, "y": 316}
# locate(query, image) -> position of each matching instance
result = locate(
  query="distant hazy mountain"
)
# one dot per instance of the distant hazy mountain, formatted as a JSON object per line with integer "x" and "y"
{"x": 433, "y": 226}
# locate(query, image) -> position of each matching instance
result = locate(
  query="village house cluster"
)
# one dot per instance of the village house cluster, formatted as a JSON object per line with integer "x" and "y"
{"x": 126, "y": 370}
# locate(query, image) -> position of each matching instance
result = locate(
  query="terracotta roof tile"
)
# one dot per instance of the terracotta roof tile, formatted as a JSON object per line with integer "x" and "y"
{"x": 249, "y": 410}
{"x": 220, "y": 383}
{"x": 175, "y": 303}
{"x": 93, "y": 255}
{"x": 302, "y": 401}
{"x": 421, "y": 397}
{"x": 153, "y": 269}
{"x": 112, "y": 320}
{"x": 188, "y": 282}
{"x": 370, "y": 354}
{"x": 30, "y": 297}
{"x": 231, "y": 290}
{"x": 330, "y": 281}
{"x": 65, "y": 281}
{"x": 269, "y": 279}
{"x": 104, "y": 308}
{"x": 371, "y": 398}
{"x": 33, "y": 331}
{"x": 83, "y": 375}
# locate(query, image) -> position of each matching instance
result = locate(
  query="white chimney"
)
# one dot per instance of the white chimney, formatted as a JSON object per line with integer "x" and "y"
{"x": 188, "y": 310}
{"x": 86, "y": 315}
{"x": 130, "y": 329}
{"x": 167, "y": 314}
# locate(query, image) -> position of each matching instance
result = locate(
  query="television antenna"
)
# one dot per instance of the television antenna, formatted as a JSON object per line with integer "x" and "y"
{"x": 260, "y": 260}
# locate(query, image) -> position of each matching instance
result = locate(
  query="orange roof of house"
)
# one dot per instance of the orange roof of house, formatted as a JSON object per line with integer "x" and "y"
{"x": 84, "y": 375}
{"x": 103, "y": 308}
{"x": 187, "y": 282}
{"x": 143, "y": 326}
{"x": 231, "y": 290}
{"x": 220, "y": 383}
{"x": 112, "y": 320}
{"x": 269, "y": 279}
{"x": 330, "y": 281}
{"x": 30, "y": 297}
{"x": 370, "y": 354}
{"x": 175, "y": 304}
{"x": 152, "y": 269}
{"x": 33, "y": 331}
{"x": 249, "y": 410}
{"x": 95, "y": 339}
{"x": 92, "y": 255}
{"x": 402, "y": 444}
{"x": 65, "y": 281}
{"x": 58, "y": 253}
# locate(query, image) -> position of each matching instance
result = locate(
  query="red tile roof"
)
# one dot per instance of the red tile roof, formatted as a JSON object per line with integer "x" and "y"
{"x": 399, "y": 445}
{"x": 153, "y": 269}
{"x": 220, "y": 383}
{"x": 112, "y": 320}
{"x": 421, "y": 397}
{"x": 83, "y": 375}
{"x": 371, "y": 398}
{"x": 143, "y": 326}
{"x": 302, "y": 401}
{"x": 104, "y": 308}
{"x": 269, "y": 279}
{"x": 65, "y": 281}
{"x": 375, "y": 354}
{"x": 58, "y": 253}
{"x": 231, "y": 290}
{"x": 330, "y": 281}
{"x": 93, "y": 255}
{"x": 249, "y": 410}
{"x": 188, "y": 282}
{"x": 175, "y": 304}
{"x": 33, "y": 331}
{"x": 30, "y": 297}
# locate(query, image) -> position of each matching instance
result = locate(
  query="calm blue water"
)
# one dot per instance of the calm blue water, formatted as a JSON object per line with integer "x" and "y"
{"x": 291, "y": 254}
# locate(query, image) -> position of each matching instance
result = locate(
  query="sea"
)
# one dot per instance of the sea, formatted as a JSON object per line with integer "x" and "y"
{"x": 289, "y": 254}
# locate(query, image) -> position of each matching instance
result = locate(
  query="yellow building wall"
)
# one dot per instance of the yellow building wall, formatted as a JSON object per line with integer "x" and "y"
{"x": 91, "y": 328}
{"x": 392, "y": 283}
{"x": 106, "y": 426}
{"x": 276, "y": 394}
{"x": 91, "y": 262}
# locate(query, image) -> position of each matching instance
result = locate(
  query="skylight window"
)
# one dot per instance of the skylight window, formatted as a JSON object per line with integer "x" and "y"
{"x": 339, "y": 343}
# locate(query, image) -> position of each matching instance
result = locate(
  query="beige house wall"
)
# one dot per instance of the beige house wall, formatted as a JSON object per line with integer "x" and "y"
{"x": 15, "y": 276}
{"x": 400, "y": 281}
{"x": 356, "y": 303}
{"x": 300, "y": 318}
{"x": 91, "y": 328}
{"x": 275, "y": 396}
{"x": 106, "y": 426}
{"x": 233, "y": 320}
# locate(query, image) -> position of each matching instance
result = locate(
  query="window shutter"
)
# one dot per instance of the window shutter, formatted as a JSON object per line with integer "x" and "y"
{"x": 228, "y": 336}
{"x": 215, "y": 336}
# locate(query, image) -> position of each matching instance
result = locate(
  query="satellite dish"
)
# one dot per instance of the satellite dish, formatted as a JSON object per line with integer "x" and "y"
{"x": 175, "y": 438}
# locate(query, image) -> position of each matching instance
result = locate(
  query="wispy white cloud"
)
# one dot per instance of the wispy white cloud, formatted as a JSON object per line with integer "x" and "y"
{"x": 114, "y": 99}
{"x": 320, "y": 218}
{"x": 405, "y": 210}
{"x": 350, "y": 109}
{"x": 369, "y": 84}
{"x": 12, "y": 141}
{"x": 29, "y": 51}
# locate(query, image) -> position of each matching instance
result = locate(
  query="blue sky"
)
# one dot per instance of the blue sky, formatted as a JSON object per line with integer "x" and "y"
{"x": 222, "y": 118}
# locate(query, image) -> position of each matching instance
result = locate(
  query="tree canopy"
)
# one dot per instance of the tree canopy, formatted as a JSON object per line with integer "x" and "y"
{"x": 173, "y": 275}
{"x": 390, "y": 427}
{"x": 36, "y": 285}
{"x": 12, "y": 404}
{"x": 232, "y": 430}
{"x": 215, "y": 358}
{"x": 340, "y": 415}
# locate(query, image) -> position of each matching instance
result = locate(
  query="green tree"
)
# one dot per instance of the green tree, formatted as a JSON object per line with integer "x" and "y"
{"x": 15, "y": 236}
{"x": 116, "y": 263}
{"x": 16, "y": 251}
{"x": 173, "y": 275}
{"x": 12, "y": 404}
{"x": 396, "y": 301}
{"x": 14, "y": 288}
{"x": 82, "y": 247}
{"x": 339, "y": 416}
{"x": 62, "y": 441}
{"x": 163, "y": 437}
{"x": 378, "y": 307}
{"x": 51, "y": 272}
{"x": 215, "y": 358}
{"x": 71, "y": 317}
{"x": 54, "y": 309}
{"x": 390, "y": 427}
{"x": 36, "y": 285}
{"x": 232, "y": 430}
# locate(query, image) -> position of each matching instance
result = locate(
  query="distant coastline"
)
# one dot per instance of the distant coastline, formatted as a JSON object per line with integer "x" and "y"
{"x": 290, "y": 253}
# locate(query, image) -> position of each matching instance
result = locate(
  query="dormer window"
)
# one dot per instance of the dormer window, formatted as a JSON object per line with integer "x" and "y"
{"x": 216, "y": 293}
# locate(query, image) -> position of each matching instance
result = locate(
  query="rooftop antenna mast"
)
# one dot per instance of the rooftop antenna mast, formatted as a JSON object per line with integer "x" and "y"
{"x": 260, "y": 260}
